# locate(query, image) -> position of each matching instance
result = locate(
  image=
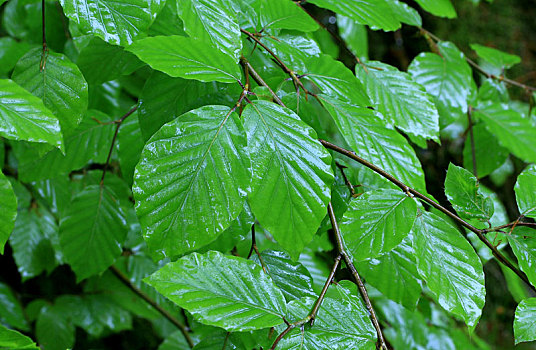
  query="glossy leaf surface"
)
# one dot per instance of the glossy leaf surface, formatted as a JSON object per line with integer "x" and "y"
{"x": 283, "y": 14}
{"x": 525, "y": 189}
{"x": 24, "y": 116}
{"x": 523, "y": 244}
{"x": 223, "y": 291}
{"x": 292, "y": 169}
{"x": 186, "y": 58}
{"x": 450, "y": 267}
{"x": 441, "y": 8}
{"x": 525, "y": 321}
{"x": 376, "y": 222}
{"x": 10, "y": 339}
{"x": 8, "y": 210}
{"x": 192, "y": 180}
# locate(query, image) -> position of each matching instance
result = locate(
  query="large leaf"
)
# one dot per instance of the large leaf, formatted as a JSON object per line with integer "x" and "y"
{"x": 525, "y": 321}
{"x": 367, "y": 134}
{"x": 223, "y": 291}
{"x": 447, "y": 77}
{"x": 24, "y": 116}
{"x": 54, "y": 330}
{"x": 192, "y": 180}
{"x": 186, "y": 58}
{"x": 10, "y": 339}
{"x": 212, "y": 22}
{"x": 449, "y": 265}
{"x": 441, "y": 8}
{"x": 523, "y": 244}
{"x": 461, "y": 188}
{"x": 92, "y": 231}
{"x": 525, "y": 189}
{"x": 8, "y": 210}
{"x": 60, "y": 85}
{"x": 284, "y": 14}
{"x": 375, "y": 13}
{"x": 397, "y": 96}
{"x": 376, "y": 222}
{"x": 513, "y": 131}
{"x": 116, "y": 22}
{"x": 291, "y": 169}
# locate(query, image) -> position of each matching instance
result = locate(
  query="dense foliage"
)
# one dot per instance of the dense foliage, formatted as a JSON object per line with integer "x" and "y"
{"x": 211, "y": 174}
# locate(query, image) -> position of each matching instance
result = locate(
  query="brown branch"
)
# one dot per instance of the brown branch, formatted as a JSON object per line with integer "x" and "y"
{"x": 126, "y": 281}
{"x": 360, "y": 285}
{"x": 510, "y": 225}
{"x": 345, "y": 178}
{"x": 480, "y": 233}
{"x": 472, "y": 139}
{"x": 259, "y": 80}
{"x": 44, "y": 54}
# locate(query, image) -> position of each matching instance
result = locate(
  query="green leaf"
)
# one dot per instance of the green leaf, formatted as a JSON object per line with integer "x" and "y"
{"x": 513, "y": 131}
{"x": 496, "y": 57}
{"x": 222, "y": 291}
{"x": 447, "y": 77}
{"x": 525, "y": 189}
{"x": 376, "y": 222}
{"x": 116, "y": 22}
{"x": 292, "y": 169}
{"x": 284, "y": 14}
{"x": 60, "y": 85}
{"x": 187, "y": 58}
{"x": 405, "y": 13}
{"x": 377, "y": 14}
{"x": 130, "y": 143}
{"x": 212, "y": 22}
{"x": 461, "y": 188}
{"x": 398, "y": 97}
{"x": 525, "y": 321}
{"x": 8, "y": 210}
{"x": 441, "y": 8}
{"x": 192, "y": 180}
{"x": 523, "y": 244}
{"x": 10, "y": 52}
{"x": 13, "y": 340}
{"x": 11, "y": 312}
{"x": 168, "y": 22}
{"x": 395, "y": 274}
{"x": 450, "y": 267}
{"x": 354, "y": 35}
{"x": 175, "y": 341}
{"x": 53, "y": 330}
{"x": 366, "y": 133}
{"x": 24, "y": 116}
{"x": 92, "y": 231}
{"x": 486, "y": 161}
{"x": 292, "y": 278}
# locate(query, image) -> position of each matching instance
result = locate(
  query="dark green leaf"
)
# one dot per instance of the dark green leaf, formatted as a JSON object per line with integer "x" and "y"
{"x": 13, "y": 340}
{"x": 8, "y": 210}
{"x": 10, "y": 52}
{"x": 292, "y": 169}
{"x": 53, "y": 330}
{"x": 11, "y": 312}
{"x": 486, "y": 161}
{"x": 192, "y": 180}
{"x": 354, "y": 35}
{"x": 525, "y": 189}
{"x": 525, "y": 321}
{"x": 130, "y": 143}
{"x": 223, "y": 291}
{"x": 175, "y": 341}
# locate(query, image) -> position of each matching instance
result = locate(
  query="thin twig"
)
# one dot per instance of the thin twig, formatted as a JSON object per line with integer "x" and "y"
{"x": 510, "y": 225}
{"x": 126, "y": 281}
{"x": 472, "y": 140}
{"x": 480, "y": 233}
{"x": 256, "y": 250}
{"x": 260, "y": 81}
{"x": 360, "y": 285}
{"x": 44, "y": 54}
{"x": 345, "y": 178}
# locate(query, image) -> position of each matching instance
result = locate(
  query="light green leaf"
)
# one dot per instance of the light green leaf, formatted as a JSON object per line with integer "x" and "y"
{"x": 398, "y": 97}
{"x": 513, "y": 131}
{"x": 13, "y": 340}
{"x": 450, "y": 267}
{"x": 291, "y": 277}
{"x": 447, "y": 77}
{"x": 212, "y": 22}
{"x": 441, "y": 8}
{"x": 11, "y": 312}
{"x": 284, "y": 14}
{"x": 377, "y": 14}
{"x": 54, "y": 330}
{"x": 405, "y": 13}
{"x": 60, "y": 85}
{"x": 291, "y": 169}
{"x": 192, "y": 180}
{"x": 461, "y": 189}
{"x": 376, "y": 222}
{"x": 92, "y": 231}
{"x": 525, "y": 189}
{"x": 395, "y": 274}
{"x": 24, "y": 116}
{"x": 168, "y": 22}
{"x": 187, "y": 58}
{"x": 8, "y": 210}
{"x": 525, "y": 321}
{"x": 496, "y": 57}
{"x": 116, "y": 22}
{"x": 365, "y": 131}
{"x": 223, "y": 291}
{"x": 486, "y": 161}
{"x": 354, "y": 35}
{"x": 523, "y": 244}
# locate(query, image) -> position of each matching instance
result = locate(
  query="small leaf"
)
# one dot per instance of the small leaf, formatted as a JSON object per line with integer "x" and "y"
{"x": 292, "y": 169}
{"x": 525, "y": 321}
{"x": 376, "y": 222}
{"x": 10, "y": 339}
{"x": 525, "y": 189}
{"x": 283, "y": 14}
{"x": 496, "y": 57}
{"x": 441, "y": 8}
{"x": 461, "y": 188}
{"x": 92, "y": 231}
{"x": 192, "y": 180}
{"x": 24, "y": 116}
{"x": 223, "y": 291}
{"x": 186, "y": 58}
{"x": 450, "y": 267}
{"x": 405, "y": 13}
{"x": 523, "y": 244}
{"x": 8, "y": 210}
